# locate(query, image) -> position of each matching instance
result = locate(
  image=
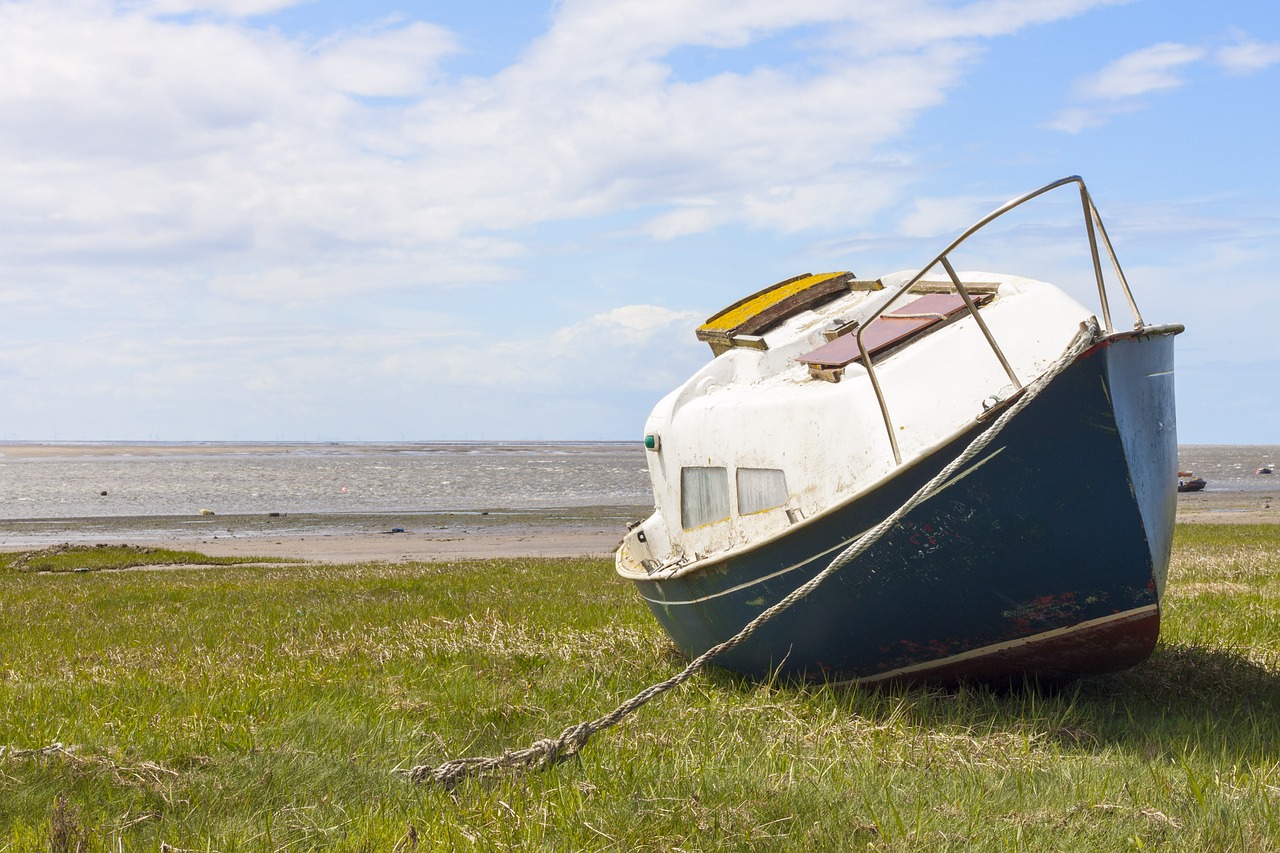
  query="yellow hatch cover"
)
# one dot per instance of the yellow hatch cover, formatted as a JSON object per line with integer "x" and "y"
{"x": 775, "y": 303}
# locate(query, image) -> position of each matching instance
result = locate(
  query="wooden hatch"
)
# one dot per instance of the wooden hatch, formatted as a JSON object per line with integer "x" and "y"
{"x": 740, "y": 322}
{"x": 889, "y": 329}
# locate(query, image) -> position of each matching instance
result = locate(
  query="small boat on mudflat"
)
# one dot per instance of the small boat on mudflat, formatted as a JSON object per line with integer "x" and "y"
{"x": 831, "y": 399}
{"x": 1189, "y": 482}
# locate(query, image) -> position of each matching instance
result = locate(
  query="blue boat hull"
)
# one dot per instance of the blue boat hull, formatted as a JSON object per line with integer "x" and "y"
{"x": 1045, "y": 558}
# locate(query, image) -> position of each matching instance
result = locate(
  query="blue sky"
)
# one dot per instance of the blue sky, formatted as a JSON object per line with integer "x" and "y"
{"x": 268, "y": 220}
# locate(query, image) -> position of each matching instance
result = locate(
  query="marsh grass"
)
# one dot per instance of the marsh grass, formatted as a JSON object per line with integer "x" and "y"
{"x": 94, "y": 558}
{"x": 265, "y": 708}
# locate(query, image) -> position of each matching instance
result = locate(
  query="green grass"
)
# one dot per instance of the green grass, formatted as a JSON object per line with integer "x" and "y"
{"x": 266, "y": 707}
{"x": 94, "y": 558}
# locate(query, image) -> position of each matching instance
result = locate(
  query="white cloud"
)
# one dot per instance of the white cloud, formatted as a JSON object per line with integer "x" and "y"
{"x": 632, "y": 347}
{"x": 234, "y": 198}
{"x": 629, "y": 325}
{"x": 1116, "y": 87}
{"x": 931, "y": 217}
{"x": 1120, "y": 86}
{"x": 229, "y": 8}
{"x": 294, "y": 280}
{"x": 893, "y": 25}
{"x": 152, "y": 137}
{"x": 393, "y": 62}
{"x": 1077, "y": 119}
{"x": 689, "y": 217}
{"x": 1151, "y": 69}
{"x": 1248, "y": 56}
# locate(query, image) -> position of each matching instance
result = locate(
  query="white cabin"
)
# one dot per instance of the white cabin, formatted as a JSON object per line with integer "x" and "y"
{"x": 769, "y": 433}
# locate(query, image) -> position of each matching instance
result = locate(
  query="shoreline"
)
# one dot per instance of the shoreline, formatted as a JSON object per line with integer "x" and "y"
{"x": 347, "y": 538}
{"x": 1229, "y": 507}
{"x": 440, "y": 536}
{"x": 24, "y": 451}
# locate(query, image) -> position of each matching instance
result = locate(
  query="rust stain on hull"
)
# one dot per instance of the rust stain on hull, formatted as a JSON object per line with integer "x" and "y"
{"x": 1097, "y": 647}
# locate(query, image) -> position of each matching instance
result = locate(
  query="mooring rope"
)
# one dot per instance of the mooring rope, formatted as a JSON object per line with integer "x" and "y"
{"x": 550, "y": 751}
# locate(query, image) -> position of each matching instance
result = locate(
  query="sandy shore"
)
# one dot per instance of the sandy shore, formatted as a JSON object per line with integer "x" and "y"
{"x": 333, "y": 538}
{"x": 568, "y": 532}
{"x": 412, "y": 547}
{"x": 1210, "y": 507}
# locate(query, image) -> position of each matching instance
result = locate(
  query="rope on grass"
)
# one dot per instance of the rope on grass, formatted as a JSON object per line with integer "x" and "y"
{"x": 38, "y": 752}
{"x": 551, "y": 751}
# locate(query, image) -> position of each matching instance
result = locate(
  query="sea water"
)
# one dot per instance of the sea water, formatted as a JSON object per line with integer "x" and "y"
{"x": 1232, "y": 467}
{"x": 145, "y": 479}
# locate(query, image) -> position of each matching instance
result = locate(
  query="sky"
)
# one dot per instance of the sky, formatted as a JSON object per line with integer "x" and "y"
{"x": 242, "y": 220}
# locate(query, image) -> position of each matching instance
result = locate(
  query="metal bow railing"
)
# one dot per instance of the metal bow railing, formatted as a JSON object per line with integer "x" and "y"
{"x": 1093, "y": 227}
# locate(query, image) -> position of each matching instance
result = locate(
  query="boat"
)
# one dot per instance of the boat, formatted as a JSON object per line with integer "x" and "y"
{"x": 1189, "y": 482}
{"x": 1265, "y": 469}
{"x": 829, "y": 405}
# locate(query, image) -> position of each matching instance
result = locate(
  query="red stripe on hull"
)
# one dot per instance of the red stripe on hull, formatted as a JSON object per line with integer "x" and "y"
{"x": 1090, "y": 649}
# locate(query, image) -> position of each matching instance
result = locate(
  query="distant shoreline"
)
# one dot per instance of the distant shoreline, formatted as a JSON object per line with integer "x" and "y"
{"x": 23, "y": 450}
{"x": 443, "y": 536}
{"x": 347, "y": 537}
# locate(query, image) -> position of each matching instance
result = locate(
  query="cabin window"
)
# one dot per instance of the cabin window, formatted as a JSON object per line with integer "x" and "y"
{"x": 704, "y": 496}
{"x": 760, "y": 489}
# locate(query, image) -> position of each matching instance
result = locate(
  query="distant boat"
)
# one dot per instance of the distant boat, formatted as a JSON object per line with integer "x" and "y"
{"x": 1189, "y": 482}
{"x": 1265, "y": 469}
{"x": 831, "y": 400}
